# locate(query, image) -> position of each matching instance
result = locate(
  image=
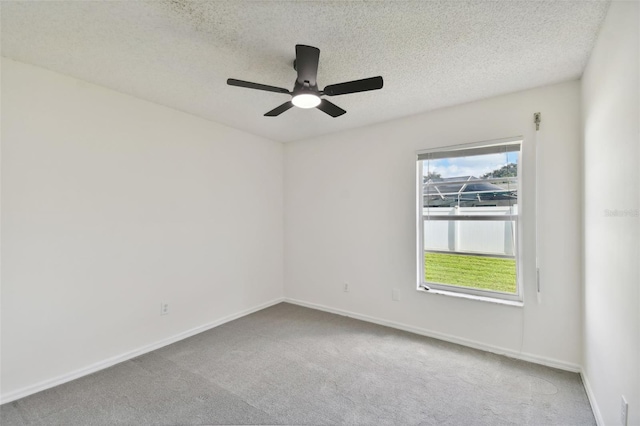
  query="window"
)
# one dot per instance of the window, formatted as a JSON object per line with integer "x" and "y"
{"x": 468, "y": 219}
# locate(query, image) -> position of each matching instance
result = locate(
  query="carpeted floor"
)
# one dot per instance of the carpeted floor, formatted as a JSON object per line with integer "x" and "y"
{"x": 293, "y": 365}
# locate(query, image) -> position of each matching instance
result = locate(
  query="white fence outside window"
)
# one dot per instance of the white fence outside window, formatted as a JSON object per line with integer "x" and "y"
{"x": 482, "y": 237}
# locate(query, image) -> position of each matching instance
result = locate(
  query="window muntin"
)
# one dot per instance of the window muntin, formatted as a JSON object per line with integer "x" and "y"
{"x": 468, "y": 219}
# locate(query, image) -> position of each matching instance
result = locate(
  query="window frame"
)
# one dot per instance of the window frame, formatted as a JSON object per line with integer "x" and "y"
{"x": 450, "y": 289}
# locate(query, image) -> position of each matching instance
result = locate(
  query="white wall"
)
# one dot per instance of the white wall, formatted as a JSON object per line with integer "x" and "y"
{"x": 112, "y": 205}
{"x": 611, "y": 243}
{"x": 350, "y": 216}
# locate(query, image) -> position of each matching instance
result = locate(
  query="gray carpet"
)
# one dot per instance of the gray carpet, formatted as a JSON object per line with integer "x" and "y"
{"x": 293, "y": 365}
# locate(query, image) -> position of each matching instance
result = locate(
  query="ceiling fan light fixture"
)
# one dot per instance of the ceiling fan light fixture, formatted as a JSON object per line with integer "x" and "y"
{"x": 306, "y": 100}
{"x": 305, "y": 92}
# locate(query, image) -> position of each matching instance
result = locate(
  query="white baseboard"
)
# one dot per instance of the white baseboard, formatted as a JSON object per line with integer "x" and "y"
{"x": 592, "y": 399}
{"x": 46, "y": 384}
{"x": 549, "y": 362}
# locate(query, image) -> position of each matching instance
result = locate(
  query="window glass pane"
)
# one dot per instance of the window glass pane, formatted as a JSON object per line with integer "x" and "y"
{"x": 472, "y": 181}
{"x": 467, "y": 242}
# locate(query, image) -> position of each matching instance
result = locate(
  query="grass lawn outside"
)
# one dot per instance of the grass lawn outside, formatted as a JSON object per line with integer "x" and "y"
{"x": 486, "y": 273}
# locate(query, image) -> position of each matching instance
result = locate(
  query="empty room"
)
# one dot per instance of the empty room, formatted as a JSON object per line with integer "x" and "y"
{"x": 320, "y": 212}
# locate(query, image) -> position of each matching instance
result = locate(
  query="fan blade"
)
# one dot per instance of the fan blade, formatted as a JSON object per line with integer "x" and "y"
{"x": 355, "y": 86}
{"x": 307, "y": 64}
{"x": 279, "y": 110}
{"x": 250, "y": 85}
{"x": 331, "y": 109}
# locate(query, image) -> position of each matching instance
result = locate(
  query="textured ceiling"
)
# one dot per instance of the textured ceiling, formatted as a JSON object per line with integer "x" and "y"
{"x": 431, "y": 54}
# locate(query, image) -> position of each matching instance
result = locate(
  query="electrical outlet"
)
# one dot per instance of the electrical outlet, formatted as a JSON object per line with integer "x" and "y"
{"x": 164, "y": 308}
{"x": 395, "y": 294}
{"x": 624, "y": 411}
{"x": 345, "y": 287}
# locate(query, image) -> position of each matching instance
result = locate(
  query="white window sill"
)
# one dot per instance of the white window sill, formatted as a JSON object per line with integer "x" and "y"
{"x": 472, "y": 297}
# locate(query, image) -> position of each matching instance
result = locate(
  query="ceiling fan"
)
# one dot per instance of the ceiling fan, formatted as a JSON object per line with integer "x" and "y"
{"x": 305, "y": 92}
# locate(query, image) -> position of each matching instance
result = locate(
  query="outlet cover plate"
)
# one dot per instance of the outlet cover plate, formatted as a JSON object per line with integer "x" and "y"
{"x": 395, "y": 294}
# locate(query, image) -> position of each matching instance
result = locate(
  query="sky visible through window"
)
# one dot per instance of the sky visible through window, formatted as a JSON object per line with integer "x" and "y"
{"x": 476, "y": 165}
